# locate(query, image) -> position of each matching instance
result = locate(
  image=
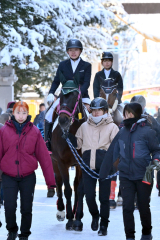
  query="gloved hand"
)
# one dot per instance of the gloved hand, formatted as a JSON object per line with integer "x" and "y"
{"x": 156, "y": 163}
{"x": 50, "y": 98}
{"x": 148, "y": 174}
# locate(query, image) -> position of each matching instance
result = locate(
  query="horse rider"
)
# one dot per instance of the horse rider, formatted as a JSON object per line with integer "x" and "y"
{"x": 69, "y": 68}
{"x": 108, "y": 72}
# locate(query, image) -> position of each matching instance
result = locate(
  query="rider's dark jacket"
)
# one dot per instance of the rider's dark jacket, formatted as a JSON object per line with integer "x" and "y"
{"x": 84, "y": 70}
{"x": 136, "y": 147}
{"x": 114, "y": 75}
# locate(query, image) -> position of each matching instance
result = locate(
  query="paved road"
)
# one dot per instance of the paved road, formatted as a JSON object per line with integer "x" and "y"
{"x": 46, "y": 227}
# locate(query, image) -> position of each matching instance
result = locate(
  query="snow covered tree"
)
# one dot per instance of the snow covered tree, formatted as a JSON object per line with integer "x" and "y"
{"x": 34, "y": 34}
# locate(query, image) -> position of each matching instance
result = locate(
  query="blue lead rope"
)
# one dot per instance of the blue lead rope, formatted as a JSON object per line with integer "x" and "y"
{"x": 85, "y": 167}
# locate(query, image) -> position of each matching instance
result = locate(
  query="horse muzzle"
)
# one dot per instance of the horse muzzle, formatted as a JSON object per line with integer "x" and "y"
{"x": 64, "y": 122}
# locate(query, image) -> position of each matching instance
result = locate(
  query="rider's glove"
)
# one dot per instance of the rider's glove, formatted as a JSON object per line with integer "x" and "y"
{"x": 50, "y": 98}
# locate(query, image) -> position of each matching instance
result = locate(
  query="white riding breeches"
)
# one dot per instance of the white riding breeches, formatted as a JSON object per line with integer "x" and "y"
{"x": 49, "y": 113}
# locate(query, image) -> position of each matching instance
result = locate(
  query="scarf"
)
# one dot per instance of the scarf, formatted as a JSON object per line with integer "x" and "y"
{"x": 129, "y": 122}
{"x": 19, "y": 126}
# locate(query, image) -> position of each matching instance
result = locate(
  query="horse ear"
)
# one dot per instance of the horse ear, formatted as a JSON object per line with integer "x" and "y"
{"x": 101, "y": 80}
{"x": 62, "y": 78}
{"x": 77, "y": 79}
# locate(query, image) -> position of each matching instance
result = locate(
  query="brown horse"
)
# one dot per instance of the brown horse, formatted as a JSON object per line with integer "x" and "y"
{"x": 68, "y": 111}
{"x": 108, "y": 91}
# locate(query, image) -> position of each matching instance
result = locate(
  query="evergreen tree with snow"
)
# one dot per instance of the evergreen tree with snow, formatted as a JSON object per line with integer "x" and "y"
{"x": 34, "y": 34}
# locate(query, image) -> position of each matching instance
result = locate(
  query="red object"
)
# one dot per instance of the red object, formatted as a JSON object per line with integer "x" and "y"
{"x": 19, "y": 155}
{"x": 112, "y": 192}
{"x": 133, "y": 150}
{"x": 157, "y": 160}
{"x": 146, "y": 182}
{"x": 8, "y": 105}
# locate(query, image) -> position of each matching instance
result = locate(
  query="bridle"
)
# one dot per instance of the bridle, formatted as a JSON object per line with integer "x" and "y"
{"x": 65, "y": 109}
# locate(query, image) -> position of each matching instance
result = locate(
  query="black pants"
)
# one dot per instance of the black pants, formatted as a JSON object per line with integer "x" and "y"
{"x": 90, "y": 193}
{"x": 11, "y": 187}
{"x": 158, "y": 180}
{"x": 1, "y": 200}
{"x": 129, "y": 189}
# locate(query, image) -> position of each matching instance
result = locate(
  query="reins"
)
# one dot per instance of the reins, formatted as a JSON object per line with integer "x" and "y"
{"x": 67, "y": 110}
{"x": 85, "y": 167}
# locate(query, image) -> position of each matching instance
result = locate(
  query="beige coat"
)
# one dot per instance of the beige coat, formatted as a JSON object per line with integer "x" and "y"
{"x": 91, "y": 136}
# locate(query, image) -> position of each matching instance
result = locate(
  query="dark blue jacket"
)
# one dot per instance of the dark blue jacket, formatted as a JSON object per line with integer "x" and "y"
{"x": 113, "y": 74}
{"x": 136, "y": 147}
{"x": 84, "y": 70}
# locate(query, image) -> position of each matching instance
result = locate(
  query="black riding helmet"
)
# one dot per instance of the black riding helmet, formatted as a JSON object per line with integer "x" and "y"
{"x": 139, "y": 99}
{"x": 98, "y": 103}
{"x": 107, "y": 55}
{"x": 74, "y": 43}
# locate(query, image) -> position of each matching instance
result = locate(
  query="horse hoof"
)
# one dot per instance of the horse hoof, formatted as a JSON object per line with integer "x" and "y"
{"x": 69, "y": 225}
{"x": 60, "y": 216}
{"x": 78, "y": 225}
{"x": 50, "y": 193}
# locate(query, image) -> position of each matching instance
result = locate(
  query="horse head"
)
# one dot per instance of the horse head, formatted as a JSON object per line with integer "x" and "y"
{"x": 108, "y": 90}
{"x": 70, "y": 106}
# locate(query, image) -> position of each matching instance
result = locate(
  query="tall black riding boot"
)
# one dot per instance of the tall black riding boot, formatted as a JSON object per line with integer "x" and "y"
{"x": 47, "y": 134}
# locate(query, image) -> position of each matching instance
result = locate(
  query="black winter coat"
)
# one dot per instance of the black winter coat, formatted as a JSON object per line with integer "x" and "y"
{"x": 135, "y": 147}
{"x": 113, "y": 74}
{"x": 84, "y": 70}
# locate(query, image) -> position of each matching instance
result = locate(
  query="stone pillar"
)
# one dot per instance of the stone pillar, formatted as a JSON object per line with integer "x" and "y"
{"x": 7, "y": 79}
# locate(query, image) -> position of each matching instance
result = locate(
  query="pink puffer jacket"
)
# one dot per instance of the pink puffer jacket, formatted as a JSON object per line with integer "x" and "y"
{"x": 20, "y": 154}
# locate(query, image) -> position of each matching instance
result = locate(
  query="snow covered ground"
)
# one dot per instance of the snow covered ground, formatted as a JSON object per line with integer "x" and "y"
{"x": 46, "y": 227}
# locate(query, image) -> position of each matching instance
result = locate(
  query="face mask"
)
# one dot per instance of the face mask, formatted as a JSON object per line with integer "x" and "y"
{"x": 99, "y": 118}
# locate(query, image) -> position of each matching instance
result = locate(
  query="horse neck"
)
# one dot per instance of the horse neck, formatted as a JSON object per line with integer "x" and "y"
{"x": 77, "y": 123}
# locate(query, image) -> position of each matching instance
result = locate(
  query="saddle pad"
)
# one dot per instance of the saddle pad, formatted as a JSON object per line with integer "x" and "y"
{"x": 55, "y": 124}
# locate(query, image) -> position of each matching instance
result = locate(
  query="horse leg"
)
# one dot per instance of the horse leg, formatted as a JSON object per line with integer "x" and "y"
{"x": 68, "y": 194}
{"x": 60, "y": 205}
{"x": 76, "y": 183}
{"x": 78, "y": 225}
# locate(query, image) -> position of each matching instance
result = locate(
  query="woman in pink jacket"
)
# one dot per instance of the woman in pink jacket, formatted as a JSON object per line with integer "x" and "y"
{"x": 21, "y": 147}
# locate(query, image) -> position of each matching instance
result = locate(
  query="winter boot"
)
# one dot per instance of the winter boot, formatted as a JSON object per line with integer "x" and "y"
{"x": 23, "y": 238}
{"x": 119, "y": 201}
{"x": 12, "y": 236}
{"x": 112, "y": 204}
{"x": 146, "y": 237}
{"x": 50, "y": 192}
{"x": 95, "y": 223}
{"x": 112, "y": 195}
{"x": 47, "y": 134}
{"x": 130, "y": 239}
{"x": 102, "y": 231}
